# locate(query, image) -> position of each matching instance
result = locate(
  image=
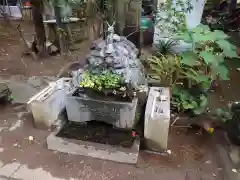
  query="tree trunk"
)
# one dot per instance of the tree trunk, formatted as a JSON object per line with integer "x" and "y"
{"x": 61, "y": 30}
{"x": 39, "y": 27}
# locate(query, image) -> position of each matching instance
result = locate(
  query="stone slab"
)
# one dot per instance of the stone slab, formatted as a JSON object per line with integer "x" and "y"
{"x": 95, "y": 150}
{"x": 26, "y": 173}
{"x": 9, "y": 169}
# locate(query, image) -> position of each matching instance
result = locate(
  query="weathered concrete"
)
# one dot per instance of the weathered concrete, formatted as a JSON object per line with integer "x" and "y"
{"x": 157, "y": 119}
{"x": 33, "y": 174}
{"x": 23, "y": 88}
{"x": 9, "y": 169}
{"x": 95, "y": 150}
{"x": 48, "y": 104}
{"x": 119, "y": 113}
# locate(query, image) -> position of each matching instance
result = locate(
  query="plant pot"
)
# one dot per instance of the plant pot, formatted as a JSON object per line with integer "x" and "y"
{"x": 118, "y": 113}
{"x": 106, "y": 95}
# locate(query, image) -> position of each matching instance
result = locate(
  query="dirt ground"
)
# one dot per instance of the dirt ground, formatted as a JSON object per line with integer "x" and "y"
{"x": 12, "y": 60}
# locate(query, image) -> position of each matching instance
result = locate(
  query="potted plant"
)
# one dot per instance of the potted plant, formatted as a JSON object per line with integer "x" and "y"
{"x": 106, "y": 85}
{"x": 103, "y": 96}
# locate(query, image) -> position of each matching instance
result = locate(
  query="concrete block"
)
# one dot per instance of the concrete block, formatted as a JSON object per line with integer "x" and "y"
{"x": 47, "y": 105}
{"x": 157, "y": 119}
{"x": 120, "y": 114}
{"x": 95, "y": 150}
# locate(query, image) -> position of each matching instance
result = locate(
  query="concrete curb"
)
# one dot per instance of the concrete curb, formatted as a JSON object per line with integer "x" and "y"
{"x": 95, "y": 150}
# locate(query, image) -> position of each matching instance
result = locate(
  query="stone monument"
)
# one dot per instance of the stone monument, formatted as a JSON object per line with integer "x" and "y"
{"x": 157, "y": 119}
{"x": 118, "y": 55}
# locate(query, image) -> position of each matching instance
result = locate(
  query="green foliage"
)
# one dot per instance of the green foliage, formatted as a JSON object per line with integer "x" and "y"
{"x": 224, "y": 115}
{"x": 165, "y": 47}
{"x": 172, "y": 70}
{"x": 165, "y": 68}
{"x": 209, "y": 49}
{"x": 182, "y": 100}
{"x": 197, "y": 67}
{"x": 100, "y": 81}
{"x": 10, "y": 98}
{"x": 171, "y": 17}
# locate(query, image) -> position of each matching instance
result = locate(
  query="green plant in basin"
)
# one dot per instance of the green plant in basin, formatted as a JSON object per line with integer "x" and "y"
{"x": 100, "y": 81}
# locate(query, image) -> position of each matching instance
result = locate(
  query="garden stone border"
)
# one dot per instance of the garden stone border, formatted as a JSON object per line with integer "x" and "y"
{"x": 90, "y": 149}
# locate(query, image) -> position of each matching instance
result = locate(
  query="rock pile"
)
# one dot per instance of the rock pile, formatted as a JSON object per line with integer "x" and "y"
{"x": 117, "y": 54}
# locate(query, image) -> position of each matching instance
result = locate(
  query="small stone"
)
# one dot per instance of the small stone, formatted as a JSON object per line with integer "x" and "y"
{"x": 234, "y": 170}
{"x": 208, "y": 162}
{"x": 169, "y": 151}
{"x": 30, "y": 138}
{"x": 214, "y": 175}
{"x": 129, "y": 172}
{"x": 238, "y": 69}
{"x": 81, "y": 162}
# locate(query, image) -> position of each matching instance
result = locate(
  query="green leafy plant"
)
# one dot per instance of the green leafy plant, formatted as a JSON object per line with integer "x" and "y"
{"x": 100, "y": 81}
{"x": 223, "y": 114}
{"x": 165, "y": 47}
{"x": 209, "y": 50}
{"x": 171, "y": 17}
{"x": 170, "y": 70}
{"x": 108, "y": 84}
{"x": 164, "y": 68}
{"x": 205, "y": 63}
{"x": 183, "y": 101}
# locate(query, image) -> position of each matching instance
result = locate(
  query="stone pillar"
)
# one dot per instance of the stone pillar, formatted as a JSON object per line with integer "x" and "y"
{"x": 157, "y": 119}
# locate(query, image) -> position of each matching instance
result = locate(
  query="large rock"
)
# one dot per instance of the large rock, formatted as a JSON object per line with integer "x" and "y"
{"x": 120, "y": 56}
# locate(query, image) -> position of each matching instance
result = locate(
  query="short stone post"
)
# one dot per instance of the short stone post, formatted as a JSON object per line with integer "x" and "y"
{"x": 157, "y": 119}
